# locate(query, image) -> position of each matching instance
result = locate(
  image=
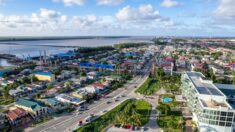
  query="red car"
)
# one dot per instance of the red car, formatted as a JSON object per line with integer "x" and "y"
{"x": 80, "y": 123}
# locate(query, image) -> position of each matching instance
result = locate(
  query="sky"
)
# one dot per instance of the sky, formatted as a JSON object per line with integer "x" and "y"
{"x": 117, "y": 18}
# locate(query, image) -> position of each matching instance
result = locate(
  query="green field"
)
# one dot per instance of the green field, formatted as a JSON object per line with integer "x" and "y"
{"x": 169, "y": 120}
{"x": 149, "y": 87}
{"x": 130, "y": 112}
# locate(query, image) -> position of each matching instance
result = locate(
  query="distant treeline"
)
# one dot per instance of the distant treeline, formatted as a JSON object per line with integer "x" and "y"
{"x": 129, "y": 45}
{"x": 94, "y": 49}
{"x": 87, "y": 51}
{"x": 56, "y": 38}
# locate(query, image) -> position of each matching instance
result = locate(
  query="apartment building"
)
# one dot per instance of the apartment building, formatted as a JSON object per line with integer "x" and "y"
{"x": 210, "y": 110}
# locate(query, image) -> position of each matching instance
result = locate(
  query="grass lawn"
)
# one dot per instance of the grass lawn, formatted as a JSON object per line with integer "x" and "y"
{"x": 144, "y": 109}
{"x": 169, "y": 120}
{"x": 129, "y": 112}
{"x": 149, "y": 87}
{"x": 102, "y": 122}
{"x": 7, "y": 101}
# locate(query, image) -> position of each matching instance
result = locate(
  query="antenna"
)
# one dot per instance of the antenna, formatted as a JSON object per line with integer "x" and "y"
{"x": 40, "y": 57}
{"x": 45, "y": 61}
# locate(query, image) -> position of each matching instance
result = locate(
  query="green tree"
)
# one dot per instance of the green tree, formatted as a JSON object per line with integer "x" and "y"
{"x": 67, "y": 86}
{"x": 25, "y": 80}
{"x": 83, "y": 73}
{"x": 50, "y": 86}
{"x": 34, "y": 79}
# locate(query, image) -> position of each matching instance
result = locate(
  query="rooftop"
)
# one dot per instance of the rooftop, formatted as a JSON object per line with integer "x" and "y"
{"x": 16, "y": 113}
{"x": 44, "y": 73}
{"x": 202, "y": 85}
{"x": 29, "y": 103}
{"x": 51, "y": 101}
{"x": 213, "y": 104}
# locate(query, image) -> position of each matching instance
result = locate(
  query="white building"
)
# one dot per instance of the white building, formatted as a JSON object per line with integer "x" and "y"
{"x": 211, "y": 111}
{"x": 92, "y": 75}
{"x": 91, "y": 89}
{"x": 69, "y": 99}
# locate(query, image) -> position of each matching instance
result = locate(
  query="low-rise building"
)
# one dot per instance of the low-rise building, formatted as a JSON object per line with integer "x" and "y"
{"x": 92, "y": 75}
{"x": 17, "y": 116}
{"x": 45, "y": 76}
{"x": 53, "y": 103}
{"x": 91, "y": 89}
{"x": 64, "y": 98}
{"x": 2, "y": 121}
{"x": 33, "y": 107}
{"x": 217, "y": 70}
{"x": 81, "y": 93}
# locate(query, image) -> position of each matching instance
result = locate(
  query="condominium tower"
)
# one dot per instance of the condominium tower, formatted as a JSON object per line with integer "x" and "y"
{"x": 209, "y": 106}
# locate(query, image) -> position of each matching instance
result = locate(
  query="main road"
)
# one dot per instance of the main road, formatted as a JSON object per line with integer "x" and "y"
{"x": 69, "y": 122}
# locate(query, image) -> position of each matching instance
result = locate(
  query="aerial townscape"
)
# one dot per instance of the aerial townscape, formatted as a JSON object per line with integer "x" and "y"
{"x": 168, "y": 84}
{"x": 117, "y": 65}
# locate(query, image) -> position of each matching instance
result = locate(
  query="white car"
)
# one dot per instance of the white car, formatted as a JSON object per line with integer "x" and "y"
{"x": 88, "y": 119}
{"x": 104, "y": 111}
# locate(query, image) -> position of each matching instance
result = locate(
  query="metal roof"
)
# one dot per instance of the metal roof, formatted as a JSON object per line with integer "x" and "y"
{"x": 203, "y": 86}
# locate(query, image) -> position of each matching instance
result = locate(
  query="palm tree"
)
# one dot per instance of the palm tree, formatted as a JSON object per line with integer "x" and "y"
{"x": 180, "y": 122}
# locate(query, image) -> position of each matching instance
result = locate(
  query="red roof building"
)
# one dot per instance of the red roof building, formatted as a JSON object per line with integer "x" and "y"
{"x": 99, "y": 86}
{"x": 168, "y": 59}
{"x": 14, "y": 115}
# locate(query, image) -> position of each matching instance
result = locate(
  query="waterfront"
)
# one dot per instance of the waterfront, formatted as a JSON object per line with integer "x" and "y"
{"x": 3, "y": 62}
{"x": 32, "y": 48}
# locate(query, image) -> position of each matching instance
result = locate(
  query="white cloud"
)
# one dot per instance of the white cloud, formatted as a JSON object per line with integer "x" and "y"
{"x": 143, "y": 13}
{"x": 170, "y": 3}
{"x": 226, "y": 9}
{"x": 50, "y": 22}
{"x": 71, "y": 2}
{"x": 43, "y": 20}
{"x": 109, "y": 2}
{"x": 85, "y": 21}
{"x": 48, "y": 13}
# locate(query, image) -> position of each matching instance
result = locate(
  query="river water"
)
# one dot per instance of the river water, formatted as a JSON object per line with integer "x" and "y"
{"x": 33, "y": 48}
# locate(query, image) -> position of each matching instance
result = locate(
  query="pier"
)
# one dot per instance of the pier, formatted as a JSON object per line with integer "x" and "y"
{"x": 8, "y": 56}
{"x": 13, "y": 59}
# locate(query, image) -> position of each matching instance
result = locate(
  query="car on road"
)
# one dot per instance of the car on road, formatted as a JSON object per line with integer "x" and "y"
{"x": 108, "y": 102}
{"x": 80, "y": 123}
{"x": 88, "y": 119}
{"x": 144, "y": 128}
{"x": 82, "y": 108}
{"x": 104, "y": 111}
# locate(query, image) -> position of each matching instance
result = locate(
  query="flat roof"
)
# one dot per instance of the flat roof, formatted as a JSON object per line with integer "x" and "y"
{"x": 213, "y": 104}
{"x": 44, "y": 73}
{"x": 203, "y": 86}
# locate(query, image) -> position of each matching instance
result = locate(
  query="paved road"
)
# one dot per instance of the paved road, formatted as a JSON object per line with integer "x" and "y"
{"x": 69, "y": 121}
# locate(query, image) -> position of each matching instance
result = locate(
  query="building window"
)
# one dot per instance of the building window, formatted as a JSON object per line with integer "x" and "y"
{"x": 229, "y": 119}
{"x": 222, "y": 123}
{"x": 228, "y": 124}
{"x": 222, "y": 118}
{"x": 230, "y": 114}
{"x": 223, "y": 113}
{"x": 212, "y": 122}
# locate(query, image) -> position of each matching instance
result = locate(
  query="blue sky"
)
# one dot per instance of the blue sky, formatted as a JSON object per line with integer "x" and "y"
{"x": 117, "y": 17}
